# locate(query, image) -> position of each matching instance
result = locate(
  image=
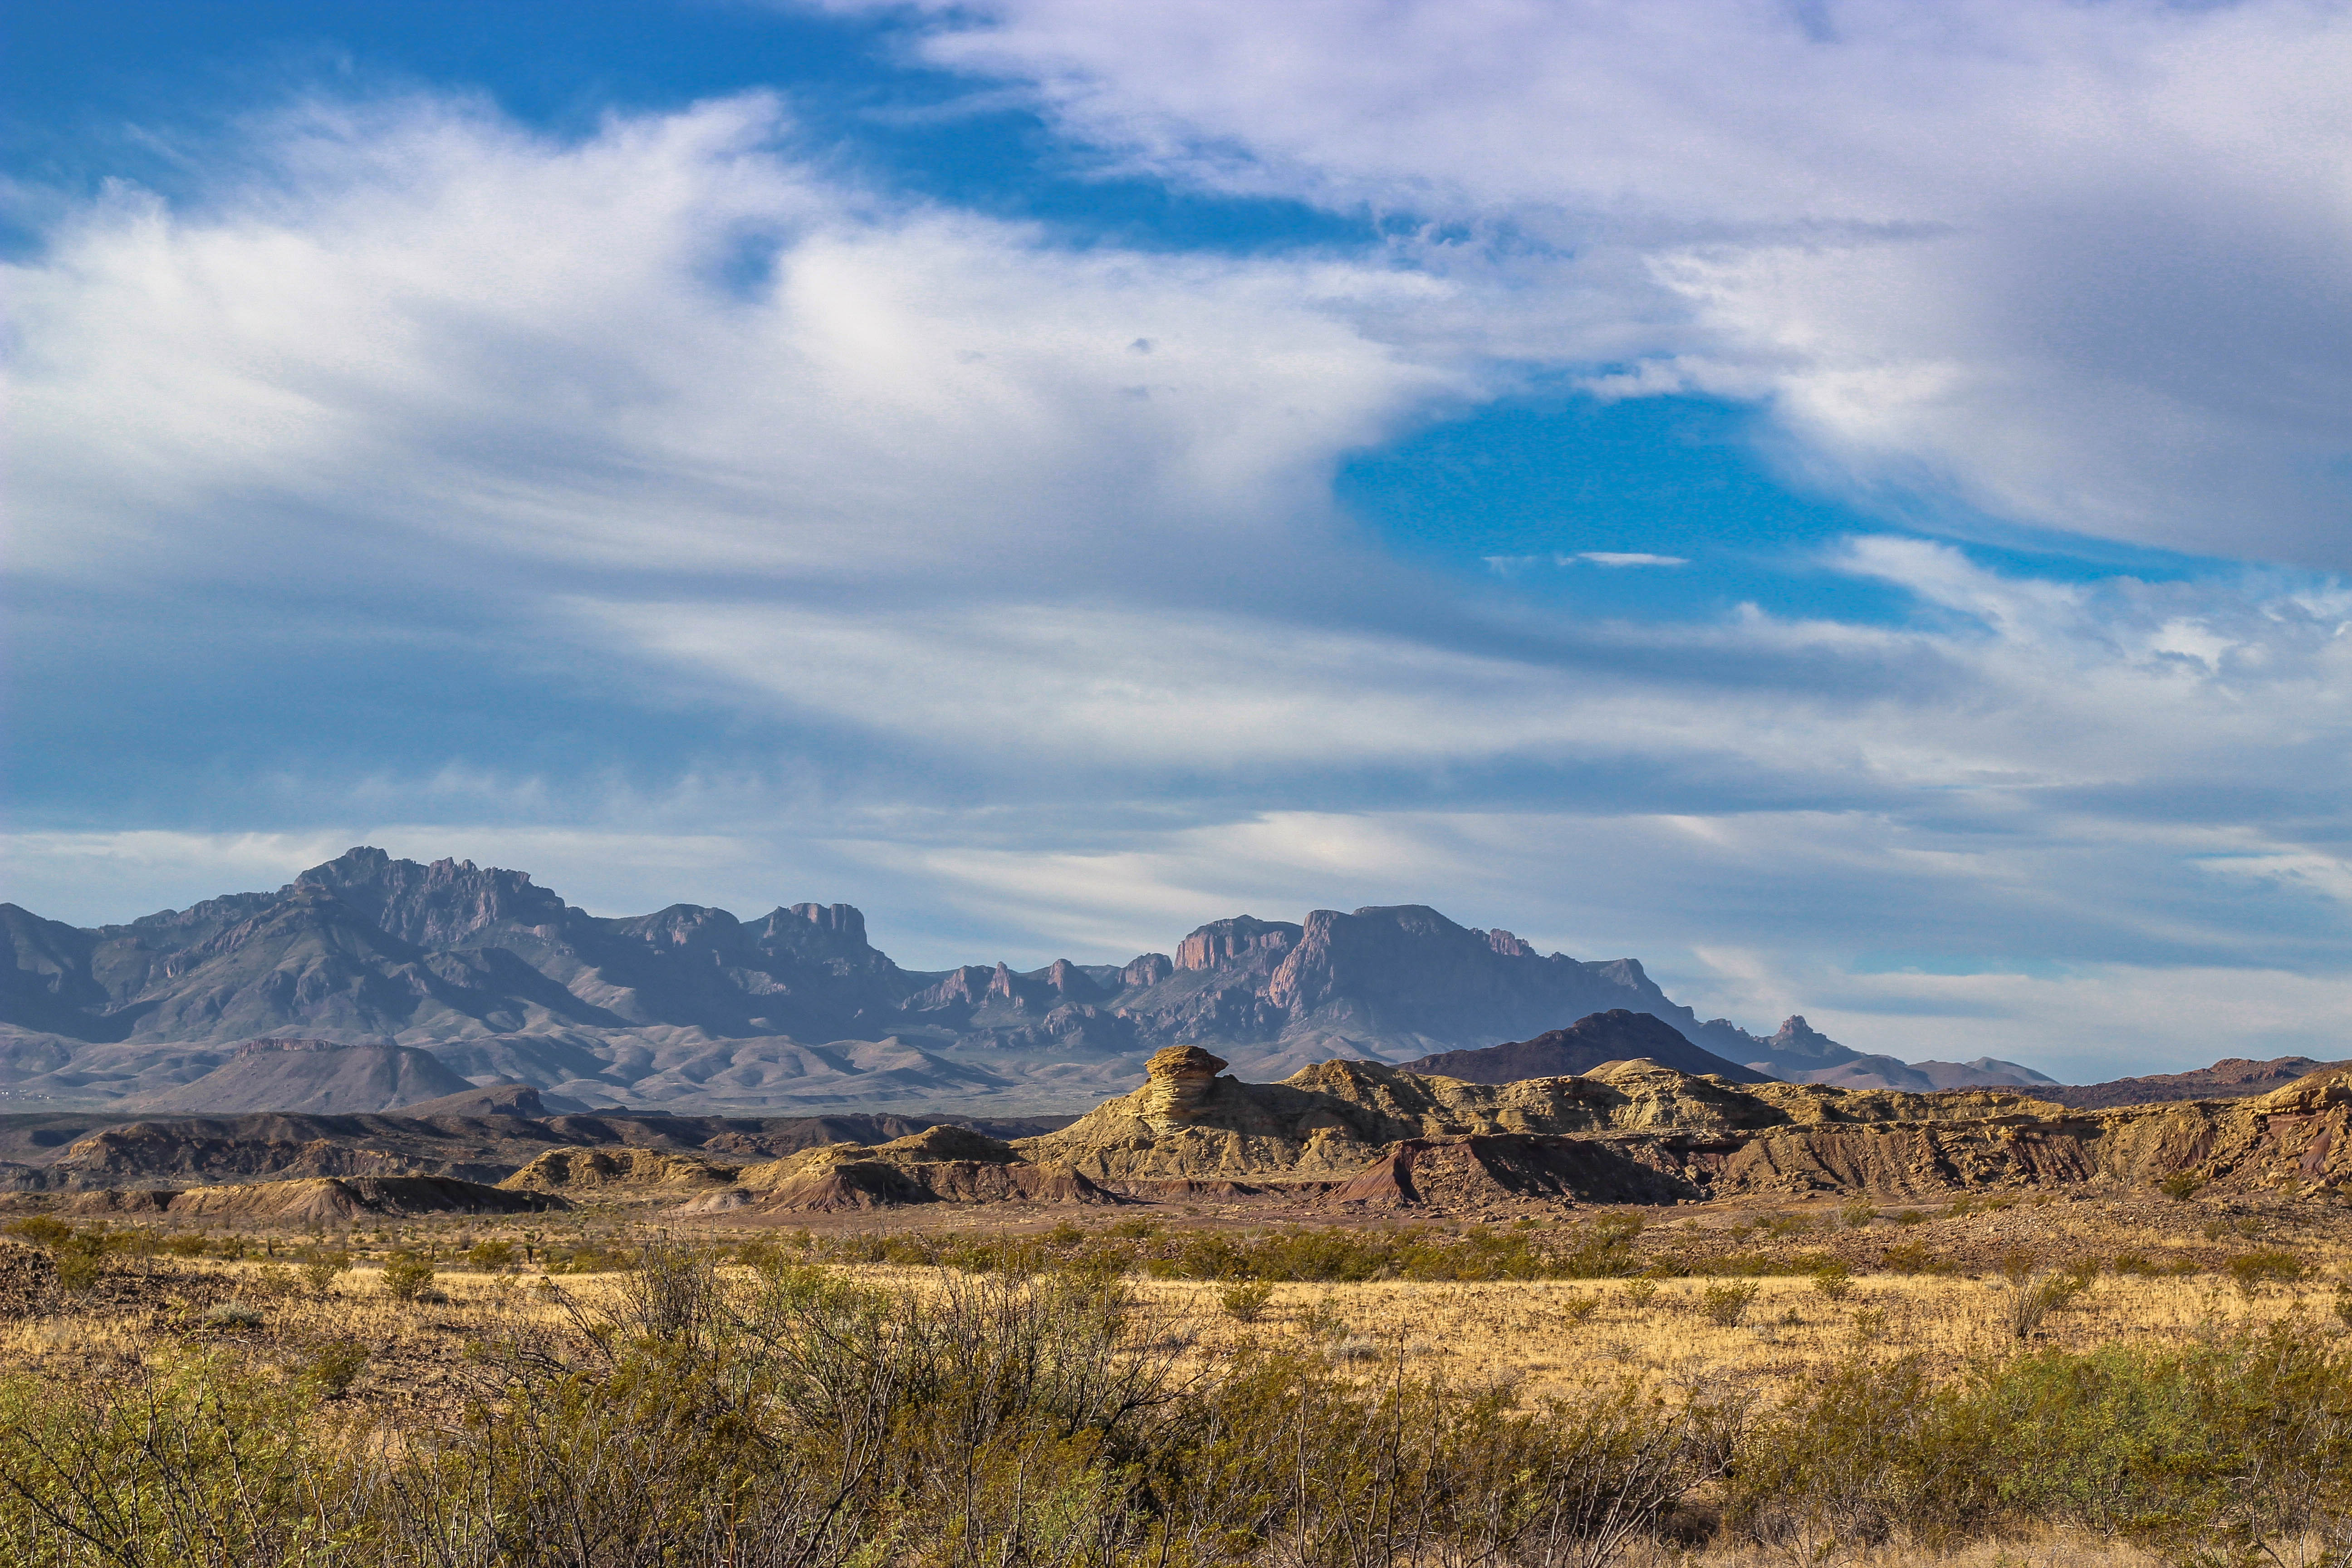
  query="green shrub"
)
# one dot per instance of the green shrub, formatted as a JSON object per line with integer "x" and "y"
{"x": 2180, "y": 1186}
{"x": 41, "y": 1230}
{"x": 335, "y": 1366}
{"x": 2250, "y": 1271}
{"x": 407, "y": 1276}
{"x": 491, "y": 1254}
{"x": 320, "y": 1268}
{"x": 2217, "y": 1454}
{"x": 1910, "y": 1258}
{"x": 1833, "y": 1281}
{"x": 1246, "y": 1303}
{"x": 1726, "y": 1304}
{"x": 1859, "y": 1214}
{"x": 187, "y": 1245}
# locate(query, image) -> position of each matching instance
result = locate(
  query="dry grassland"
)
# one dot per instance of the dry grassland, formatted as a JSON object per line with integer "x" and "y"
{"x": 425, "y": 1358}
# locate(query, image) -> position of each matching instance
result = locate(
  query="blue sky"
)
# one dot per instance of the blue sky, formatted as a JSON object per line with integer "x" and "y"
{"x": 1843, "y": 503}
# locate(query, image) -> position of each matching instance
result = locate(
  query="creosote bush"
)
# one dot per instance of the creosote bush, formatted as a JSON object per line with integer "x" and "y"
{"x": 1726, "y": 1304}
{"x": 406, "y": 1277}
{"x": 1246, "y": 1303}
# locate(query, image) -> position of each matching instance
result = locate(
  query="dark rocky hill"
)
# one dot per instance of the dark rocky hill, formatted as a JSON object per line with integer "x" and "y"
{"x": 2229, "y": 1078}
{"x": 1616, "y": 1035}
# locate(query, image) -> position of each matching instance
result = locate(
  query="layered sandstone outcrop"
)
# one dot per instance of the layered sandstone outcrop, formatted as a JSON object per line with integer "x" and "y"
{"x": 562, "y": 1170}
{"x": 1636, "y": 1130}
{"x": 330, "y": 1198}
{"x": 941, "y": 1164}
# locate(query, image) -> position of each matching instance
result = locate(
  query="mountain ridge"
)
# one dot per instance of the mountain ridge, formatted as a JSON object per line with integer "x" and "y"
{"x": 500, "y": 979}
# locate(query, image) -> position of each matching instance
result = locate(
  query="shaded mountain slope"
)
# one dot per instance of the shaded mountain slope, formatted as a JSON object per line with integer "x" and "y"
{"x": 2230, "y": 1076}
{"x": 1613, "y": 1036}
{"x": 313, "y": 1076}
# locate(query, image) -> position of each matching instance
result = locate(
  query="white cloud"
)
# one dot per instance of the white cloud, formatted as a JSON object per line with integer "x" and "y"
{"x": 2074, "y": 265}
{"x": 420, "y": 332}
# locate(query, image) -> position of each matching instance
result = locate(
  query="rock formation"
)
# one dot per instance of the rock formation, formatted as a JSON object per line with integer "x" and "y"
{"x": 1179, "y": 1079}
{"x": 1637, "y": 1132}
{"x": 941, "y": 1164}
{"x": 319, "y": 1200}
{"x": 568, "y": 1170}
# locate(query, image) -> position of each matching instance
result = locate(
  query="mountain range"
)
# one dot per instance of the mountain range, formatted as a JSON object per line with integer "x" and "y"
{"x": 450, "y": 976}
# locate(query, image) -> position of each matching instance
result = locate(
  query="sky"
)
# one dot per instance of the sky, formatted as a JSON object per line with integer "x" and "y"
{"x": 1847, "y": 503}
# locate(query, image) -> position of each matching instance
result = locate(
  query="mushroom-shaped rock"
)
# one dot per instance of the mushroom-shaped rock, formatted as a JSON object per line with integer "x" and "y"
{"x": 1182, "y": 1077}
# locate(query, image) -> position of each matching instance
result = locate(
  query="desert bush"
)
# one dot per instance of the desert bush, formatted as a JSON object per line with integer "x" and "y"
{"x": 232, "y": 1317}
{"x": 491, "y": 1254}
{"x": 2180, "y": 1186}
{"x": 2136, "y": 1264}
{"x": 1910, "y": 1258}
{"x": 1833, "y": 1281}
{"x": 1834, "y": 1466}
{"x": 2035, "y": 1292}
{"x": 1910, "y": 1216}
{"x": 321, "y": 1267}
{"x": 79, "y": 1254}
{"x": 40, "y": 1229}
{"x": 187, "y": 1245}
{"x": 1859, "y": 1214}
{"x": 335, "y": 1366}
{"x": 1246, "y": 1303}
{"x": 1726, "y": 1304}
{"x": 2250, "y": 1271}
{"x": 1639, "y": 1293}
{"x": 406, "y": 1277}
{"x": 1577, "y": 1309}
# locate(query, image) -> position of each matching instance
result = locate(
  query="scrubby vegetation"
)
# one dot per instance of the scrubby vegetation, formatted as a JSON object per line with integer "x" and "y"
{"x": 762, "y": 1409}
{"x": 797, "y": 1419}
{"x": 1148, "y": 1390}
{"x": 1599, "y": 1248}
